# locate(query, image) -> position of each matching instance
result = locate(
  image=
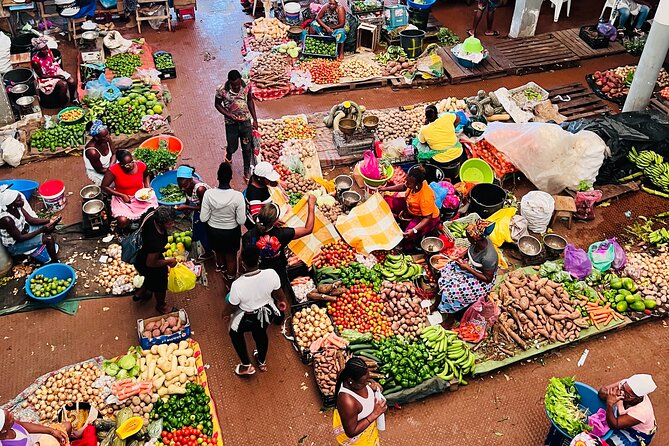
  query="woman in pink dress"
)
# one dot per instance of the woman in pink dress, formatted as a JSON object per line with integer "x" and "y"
{"x": 51, "y": 78}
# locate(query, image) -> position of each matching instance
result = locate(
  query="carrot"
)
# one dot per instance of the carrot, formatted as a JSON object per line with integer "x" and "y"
{"x": 609, "y": 319}
{"x": 594, "y": 322}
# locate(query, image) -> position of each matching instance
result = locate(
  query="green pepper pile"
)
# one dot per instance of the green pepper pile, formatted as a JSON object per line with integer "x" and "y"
{"x": 356, "y": 273}
{"x": 189, "y": 409}
{"x": 405, "y": 363}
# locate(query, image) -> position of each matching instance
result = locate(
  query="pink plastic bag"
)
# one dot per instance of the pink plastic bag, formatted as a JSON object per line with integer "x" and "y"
{"x": 576, "y": 262}
{"x": 620, "y": 259}
{"x": 585, "y": 204}
{"x": 598, "y": 423}
{"x": 480, "y": 315}
{"x": 370, "y": 166}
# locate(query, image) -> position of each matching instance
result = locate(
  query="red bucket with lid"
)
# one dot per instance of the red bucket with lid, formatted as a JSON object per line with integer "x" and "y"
{"x": 53, "y": 195}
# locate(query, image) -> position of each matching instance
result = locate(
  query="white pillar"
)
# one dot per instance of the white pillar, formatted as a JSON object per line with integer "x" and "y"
{"x": 652, "y": 58}
{"x": 525, "y": 18}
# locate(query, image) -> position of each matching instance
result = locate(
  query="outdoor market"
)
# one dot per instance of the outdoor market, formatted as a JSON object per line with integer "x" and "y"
{"x": 386, "y": 255}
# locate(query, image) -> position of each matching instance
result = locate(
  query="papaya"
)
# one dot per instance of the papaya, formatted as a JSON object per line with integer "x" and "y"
{"x": 637, "y": 306}
{"x": 649, "y": 303}
{"x": 129, "y": 427}
{"x": 621, "y": 306}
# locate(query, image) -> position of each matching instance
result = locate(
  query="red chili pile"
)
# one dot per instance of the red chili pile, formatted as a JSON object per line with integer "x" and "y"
{"x": 360, "y": 309}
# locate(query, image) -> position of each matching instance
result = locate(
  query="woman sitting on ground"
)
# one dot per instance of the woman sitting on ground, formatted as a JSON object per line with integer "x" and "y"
{"x": 464, "y": 282}
{"x": 51, "y": 78}
{"x": 418, "y": 208}
{"x": 99, "y": 152}
{"x": 20, "y": 230}
{"x": 122, "y": 180}
{"x": 439, "y": 131}
{"x": 22, "y": 433}
{"x": 331, "y": 21}
{"x": 629, "y": 411}
{"x": 194, "y": 190}
{"x": 354, "y": 419}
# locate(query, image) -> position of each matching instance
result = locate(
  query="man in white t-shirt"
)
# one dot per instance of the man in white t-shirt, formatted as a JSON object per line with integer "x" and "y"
{"x": 259, "y": 299}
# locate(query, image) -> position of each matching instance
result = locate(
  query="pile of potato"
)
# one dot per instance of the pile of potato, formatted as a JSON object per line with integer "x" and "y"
{"x": 303, "y": 148}
{"x": 299, "y": 184}
{"x": 264, "y": 44}
{"x": 271, "y": 151}
{"x": 309, "y": 324}
{"x": 116, "y": 276}
{"x": 269, "y": 27}
{"x": 67, "y": 386}
{"x": 398, "y": 67}
{"x": 357, "y": 68}
{"x": 400, "y": 124}
{"x": 141, "y": 406}
{"x": 331, "y": 212}
{"x": 652, "y": 270}
{"x": 164, "y": 326}
{"x": 268, "y": 129}
{"x": 402, "y": 306}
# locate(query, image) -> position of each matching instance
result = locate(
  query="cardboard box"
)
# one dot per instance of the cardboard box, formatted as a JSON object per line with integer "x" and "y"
{"x": 182, "y": 334}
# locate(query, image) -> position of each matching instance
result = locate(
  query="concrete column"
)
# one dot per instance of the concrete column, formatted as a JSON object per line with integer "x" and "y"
{"x": 651, "y": 61}
{"x": 525, "y": 18}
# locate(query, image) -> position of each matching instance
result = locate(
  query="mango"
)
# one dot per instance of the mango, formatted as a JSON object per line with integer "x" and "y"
{"x": 621, "y": 306}
{"x": 637, "y": 306}
{"x": 649, "y": 303}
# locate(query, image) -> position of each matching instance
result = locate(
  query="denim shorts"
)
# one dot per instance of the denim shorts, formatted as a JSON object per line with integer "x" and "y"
{"x": 26, "y": 246}
{"x": 490, "y": 4}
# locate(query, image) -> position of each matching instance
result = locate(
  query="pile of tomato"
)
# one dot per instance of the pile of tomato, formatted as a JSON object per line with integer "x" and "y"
{"x": 186, "y": 436}
{"x": 336, "y": 254}
{"x": 323, "y": 71}
{"x": 282, "y": 170}
{"x": 360, "y": 309}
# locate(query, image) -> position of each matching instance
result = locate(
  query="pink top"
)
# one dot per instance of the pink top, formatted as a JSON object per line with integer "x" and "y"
{"x": 642, "y": 412}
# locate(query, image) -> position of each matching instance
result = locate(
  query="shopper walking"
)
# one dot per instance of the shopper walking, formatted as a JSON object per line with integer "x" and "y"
{"x": 235, "y": 102}
{"x": 355, "y": 418}
{"x": 224, "y": 211}
{"x": 259, "y": 300}
{"x": 194, "y": 189}
{"x": 482, "y": 6}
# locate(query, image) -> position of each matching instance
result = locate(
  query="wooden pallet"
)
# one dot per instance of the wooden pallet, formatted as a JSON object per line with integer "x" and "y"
{"x": 583, "y": 104}
{"x": 660, "y": 105}
{"x": 571, "y": 39}
{"x": 398, "y": 82}
{"x": 535, "y": 54}
{"x": 351, "y": 85}
{"x": 495, "y": 65}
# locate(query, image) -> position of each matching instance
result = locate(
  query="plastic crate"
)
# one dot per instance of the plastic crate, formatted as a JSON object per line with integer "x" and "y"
{"x": 595, "y": 43}
{"x": 522, "y": 101}
{"x": 166, "y": 73}
{"x": 396, "y": 15}
{"x": 181, "y": 335}
{"x": 469, "y": 219}
{"x": 327, "y": 39}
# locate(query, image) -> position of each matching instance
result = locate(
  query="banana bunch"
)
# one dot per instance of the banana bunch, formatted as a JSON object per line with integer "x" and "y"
{"x": 399, "y": 268}
{"x": 445, "y": 346}
{"x": 645, "y": 158}
{"x": 653, "y": 167}
{"x": 659, "y": 237}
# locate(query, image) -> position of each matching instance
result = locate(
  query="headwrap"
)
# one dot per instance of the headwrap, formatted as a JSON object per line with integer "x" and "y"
{"x": 96, "y": 127}
{"x": 480, "y": 229}
{"x": 641, "y": 384}
{"x": 39, "y": 43}
{"x": 7, "y": 197}
{"x": 185, "y": 172}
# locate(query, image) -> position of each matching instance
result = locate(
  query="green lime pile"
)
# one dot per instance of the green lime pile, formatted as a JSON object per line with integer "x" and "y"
{"x": 319, "y": 47}
{"x": 60, "y": 135}
{"x": 42, "y": 286}
{"x": 164, "y": 61}
{"x": 123, "y": 65}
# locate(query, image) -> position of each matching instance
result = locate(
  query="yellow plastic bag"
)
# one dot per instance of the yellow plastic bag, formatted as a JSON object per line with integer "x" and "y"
{"x": 501, "y": 233}
{"x": 181, "y": 279}
{"x": 327, "y": 184}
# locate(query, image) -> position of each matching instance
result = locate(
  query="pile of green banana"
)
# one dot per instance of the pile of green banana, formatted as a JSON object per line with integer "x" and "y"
{"x": 659, "y": 237}
{"x": 399, "y": 268}
{"x": 457, "y": 356}
{"x": 458, "y": 229}
{"x": 653, "y": 167}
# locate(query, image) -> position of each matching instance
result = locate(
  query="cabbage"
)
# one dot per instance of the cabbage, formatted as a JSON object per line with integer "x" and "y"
{"x": 134, "y": 371}
{"x": 127, "y": 362}
{"x": 110, "y": 368}
{"x": 122, "y": 374}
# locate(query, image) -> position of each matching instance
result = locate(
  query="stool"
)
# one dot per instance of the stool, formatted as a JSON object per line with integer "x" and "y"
{"x": 141, "y": 18}
{"x": 564, "y": 208}
{"x": 72, "y": 25}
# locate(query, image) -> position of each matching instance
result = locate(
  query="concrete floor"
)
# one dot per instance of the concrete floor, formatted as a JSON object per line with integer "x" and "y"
{"x": 282, "y": 406}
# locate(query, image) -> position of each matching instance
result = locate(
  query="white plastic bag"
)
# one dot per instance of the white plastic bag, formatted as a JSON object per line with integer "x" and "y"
{"x": 518, "y": 227}
{"x": 12, "y": 151}
{"x": 552, "y": 158}
{"x": 115, "y": 42}
{"x": 537, "y": 207}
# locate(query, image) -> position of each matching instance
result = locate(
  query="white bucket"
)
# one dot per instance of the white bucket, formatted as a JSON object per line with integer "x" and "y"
{"x": 292, "y": 11}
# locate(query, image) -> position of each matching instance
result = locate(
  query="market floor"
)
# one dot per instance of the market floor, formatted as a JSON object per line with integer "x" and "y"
{"x": 282, "y": 406}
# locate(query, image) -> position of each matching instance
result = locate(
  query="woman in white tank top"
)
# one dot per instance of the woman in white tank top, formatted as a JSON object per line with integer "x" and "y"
{"x": 354, "y": 420}
{"x": 98, "y": 153}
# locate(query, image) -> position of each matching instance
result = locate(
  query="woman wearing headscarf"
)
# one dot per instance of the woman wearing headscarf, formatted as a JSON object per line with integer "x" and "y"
{"x": 122, "y": 180}
{"x": 51, "y": 78}
{"x": 194, "y": 190}
{"x": 355, "y": 417}
{"x": 331, "y": 21}
{"x": 463, "y": 282}
{"x": 629, "y": 412}
{"x": 20, "y": 230}
{"x": 22, "y": 433}
{"x": 439, "y": 131}
{"x": 99, "y": 152}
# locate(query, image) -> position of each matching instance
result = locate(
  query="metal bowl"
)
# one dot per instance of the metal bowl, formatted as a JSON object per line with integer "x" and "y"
{"x": 89, "y": 35}
{"x": 350, "y": 199}
{"x": 93, "y": 207}
{"x": 343, "y": 183}
{"x": 432, "y": 245}
{"x": 370, "y": 122}
{"x": 19, "y": 88}
{"x": 555, "y": 244}
{"x": 436, "y": 260}
{"x": 347, "y": 126}
{"x": 90, "y": 192}
{"x": 25, "y": 101}
{"x": 529, "y": 246}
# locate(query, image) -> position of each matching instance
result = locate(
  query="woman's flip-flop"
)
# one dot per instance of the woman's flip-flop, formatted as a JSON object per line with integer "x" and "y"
{"x": 250, "y": 370}
{"x": 261, "y": 365}
{"x": 492, "y": 33}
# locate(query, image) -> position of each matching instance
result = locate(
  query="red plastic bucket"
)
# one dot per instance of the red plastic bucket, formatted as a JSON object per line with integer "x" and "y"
{"x": 53, "y": 195}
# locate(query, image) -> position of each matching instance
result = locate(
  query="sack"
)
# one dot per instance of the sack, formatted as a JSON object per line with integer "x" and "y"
{"x": 477, "y": 318}
{"x": 576, "y": 262}
{"x": 620, "y": 259}
{"x": 537, "y": 207}
{"x": 181, "y": 279}
{"x": 602, "y": 254}
{"x": 585, "y": 204}
{"x": 518, "y": 227}
{"x": 369, "y": 167}
{"x": 132, "y": 244}
{"x": 12, "y": 151}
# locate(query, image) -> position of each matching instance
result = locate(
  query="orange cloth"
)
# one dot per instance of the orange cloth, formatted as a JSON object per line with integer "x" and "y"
{"x": 422, "y": 203}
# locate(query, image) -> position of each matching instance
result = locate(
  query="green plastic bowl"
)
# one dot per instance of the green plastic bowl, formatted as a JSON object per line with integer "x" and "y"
{"x": 60, "y": 113}
{"x": 476, "y": 170}
{"x": 472, "y": 45}
{"x": 388, "y": 170}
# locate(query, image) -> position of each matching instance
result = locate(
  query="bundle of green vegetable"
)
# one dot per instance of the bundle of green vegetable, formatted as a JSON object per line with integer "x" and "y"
{"x": 447, "y": 37}
{"x": 126, "y": 366}
{"x": 156, "y": 160}
{"x": 172, "y": 194}
{"x": 123, "y": 65}
{"x": 393, "y": 52}
{"x": 561, "y": 402}
{"x": 189, "y": 409}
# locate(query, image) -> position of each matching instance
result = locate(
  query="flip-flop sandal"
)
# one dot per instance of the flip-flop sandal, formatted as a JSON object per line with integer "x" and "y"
{"x": 492, "y": 34}
{"x": 250, "y": 370}
{"x": 470, "y": 32}
{"x": 261, "y": 365}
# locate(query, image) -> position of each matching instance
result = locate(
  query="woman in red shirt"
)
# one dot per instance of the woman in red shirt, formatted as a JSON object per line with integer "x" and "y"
{"x": 127, "y": 177}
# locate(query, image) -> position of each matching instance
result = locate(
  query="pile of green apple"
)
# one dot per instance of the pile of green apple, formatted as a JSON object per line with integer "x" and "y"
{"x": 178, "y": 244}
{"x": 624, "y": 296}
{"x": 289, "y": 48}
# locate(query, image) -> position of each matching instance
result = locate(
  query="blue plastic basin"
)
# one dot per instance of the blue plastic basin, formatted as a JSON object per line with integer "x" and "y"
{"x": 427, "y": 5}
{"x": 165, "y": 179}
{"x": 59, "y": 270}
{"x": 26, "y": 187}
{"x": 590, "y": 402}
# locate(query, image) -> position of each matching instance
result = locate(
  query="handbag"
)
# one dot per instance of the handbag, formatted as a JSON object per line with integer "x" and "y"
{"x": 132, "y": 244}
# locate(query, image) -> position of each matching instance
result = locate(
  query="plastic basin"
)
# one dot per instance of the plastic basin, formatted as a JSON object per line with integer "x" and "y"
{"x": 165, "y": 179}
{"x": 59, "y": 270}
{"x": 389, "y": 170}
{"x": 590, "y": 402}
{"x": 174, "y": 144}
{"x": 486, "y": 199}
{"x": 475, "y": 170}
{"x": 67, "y": 109}
{"x": 426, "y": 5}
{"x": 26, "y": 187}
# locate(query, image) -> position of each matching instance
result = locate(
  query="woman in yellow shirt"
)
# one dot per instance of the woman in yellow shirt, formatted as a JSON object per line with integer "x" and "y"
{"x": 419, "y": 206}
{"x": 439, "y": 131}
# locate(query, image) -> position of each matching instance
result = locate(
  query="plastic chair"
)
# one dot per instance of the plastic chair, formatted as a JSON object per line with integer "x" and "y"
{"x": 557, "y": 4}
{"x": 611, "y": 4}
